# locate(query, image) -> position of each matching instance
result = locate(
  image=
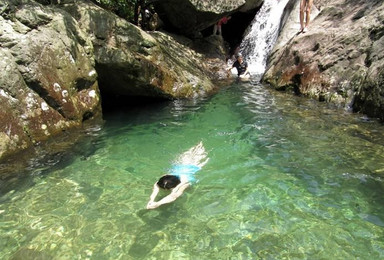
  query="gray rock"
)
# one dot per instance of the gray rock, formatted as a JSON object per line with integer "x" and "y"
{"x": 55, "y": 56}
{"x": 338, "y": 60}
{"x": 48, "y": 81}
{"x": 188, "y": 17}
{"x": 130, "y": 61}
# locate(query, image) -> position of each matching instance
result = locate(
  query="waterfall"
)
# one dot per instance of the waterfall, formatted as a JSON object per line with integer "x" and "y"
{"x": 262, "y": 35}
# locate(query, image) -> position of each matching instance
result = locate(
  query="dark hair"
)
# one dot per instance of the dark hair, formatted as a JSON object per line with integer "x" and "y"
{"x": 168, "y": 182}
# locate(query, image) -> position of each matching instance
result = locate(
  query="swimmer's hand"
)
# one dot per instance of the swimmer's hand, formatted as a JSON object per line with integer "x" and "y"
{"x": 152, "y": 205}
{"x": 176, "y": 192}
{"x": 245, "y": 75}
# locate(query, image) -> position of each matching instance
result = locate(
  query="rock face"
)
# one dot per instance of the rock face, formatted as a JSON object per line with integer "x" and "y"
{"x": 47, "y": 80}
{"x": 189, "y": 17}
{"x": 132, "y": 62}
{"x": 340, "y": 58}
{"x": 53, "y": 59}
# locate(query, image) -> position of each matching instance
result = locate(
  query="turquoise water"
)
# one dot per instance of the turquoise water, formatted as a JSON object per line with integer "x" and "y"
{"x": 287, "y": 178}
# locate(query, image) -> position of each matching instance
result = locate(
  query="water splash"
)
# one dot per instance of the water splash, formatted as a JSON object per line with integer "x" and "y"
{"x": 194, "y": 156}
{"x": 262, "y": 35}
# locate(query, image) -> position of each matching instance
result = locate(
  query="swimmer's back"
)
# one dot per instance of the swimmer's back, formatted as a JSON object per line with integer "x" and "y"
{"x": 185, "y": 169}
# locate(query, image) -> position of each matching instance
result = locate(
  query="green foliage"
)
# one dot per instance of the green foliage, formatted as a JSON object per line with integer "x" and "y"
{"x": 123, "y": 8}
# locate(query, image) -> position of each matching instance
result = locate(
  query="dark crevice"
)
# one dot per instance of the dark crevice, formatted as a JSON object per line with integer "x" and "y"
{"x": 376, "y": 33}
{"x": 112, "y": 103}
{"x": 42, "y": 92}
{"x": 233, "y": 32}
{"x": 82, "y": 83}
{"x": 87, "y": 115}
{"x": 296, "y": 83}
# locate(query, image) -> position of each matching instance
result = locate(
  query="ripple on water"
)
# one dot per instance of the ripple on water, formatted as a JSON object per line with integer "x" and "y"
{"x": 287, "y": 178}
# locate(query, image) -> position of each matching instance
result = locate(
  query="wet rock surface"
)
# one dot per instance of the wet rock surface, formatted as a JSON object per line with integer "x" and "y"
{"x": 56, "y": 59}
{"x": 338, "y": 60}
{"x": 48, "y": 80}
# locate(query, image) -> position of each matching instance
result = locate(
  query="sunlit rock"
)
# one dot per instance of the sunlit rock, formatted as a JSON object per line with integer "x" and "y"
{"x": 338, "y": 60}
{"x": 132, "y": 62}
{"x": 45, "y": 61}
{"x": 54, "y": 57}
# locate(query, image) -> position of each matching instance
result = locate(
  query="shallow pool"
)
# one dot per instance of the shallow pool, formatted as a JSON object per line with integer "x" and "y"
{"x": 287, "y": 178}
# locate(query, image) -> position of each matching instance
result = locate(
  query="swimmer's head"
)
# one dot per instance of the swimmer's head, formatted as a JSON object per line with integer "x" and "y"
{"x": 239, "y": 56}
{"x": 168, "y": 182}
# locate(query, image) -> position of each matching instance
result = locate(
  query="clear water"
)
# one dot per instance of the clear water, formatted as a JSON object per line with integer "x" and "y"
{"x": 288, "y": 178}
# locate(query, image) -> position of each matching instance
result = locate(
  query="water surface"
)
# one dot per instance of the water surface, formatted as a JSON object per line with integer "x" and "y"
{"x": 287, "y": 178}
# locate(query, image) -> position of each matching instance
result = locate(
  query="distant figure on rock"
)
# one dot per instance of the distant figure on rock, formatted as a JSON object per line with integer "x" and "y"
{"x": 305, "y": 10}
{"x": 217, "y": 26}
{"x": 241, "y": 66}
{"x": 139, "y": 11}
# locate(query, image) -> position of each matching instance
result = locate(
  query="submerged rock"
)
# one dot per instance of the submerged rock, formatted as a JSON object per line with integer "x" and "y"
{"x": 338, "y": 60}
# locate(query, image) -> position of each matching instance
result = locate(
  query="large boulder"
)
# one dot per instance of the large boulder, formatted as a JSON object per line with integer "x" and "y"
{"x": 189, "y": 17}
{"x": 340, "y": 58}
{"x": 53, "y": 59}
{"x": 47, "y": 80}
{"x": 132, "y": 62}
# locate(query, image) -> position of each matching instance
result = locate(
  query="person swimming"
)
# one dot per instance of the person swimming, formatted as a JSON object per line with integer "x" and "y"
{"x": 180, "y": 176}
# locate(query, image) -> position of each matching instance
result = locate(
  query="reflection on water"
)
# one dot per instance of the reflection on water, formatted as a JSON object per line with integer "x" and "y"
{"x": 287, "y": 178}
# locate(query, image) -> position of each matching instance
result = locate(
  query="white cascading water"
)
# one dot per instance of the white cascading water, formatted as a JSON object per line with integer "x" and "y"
{"x": 262, "y": 35}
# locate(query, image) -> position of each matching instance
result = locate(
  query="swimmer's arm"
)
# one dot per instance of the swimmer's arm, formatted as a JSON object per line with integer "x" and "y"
{"x": 153, "y": 196}
{"x": 246, "y": 73}
{"x": 176, "y": 192}
{"x": 154, "y": 192}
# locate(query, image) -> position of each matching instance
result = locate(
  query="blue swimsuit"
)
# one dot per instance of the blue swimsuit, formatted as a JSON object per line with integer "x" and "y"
{"x": 185, "y": 169}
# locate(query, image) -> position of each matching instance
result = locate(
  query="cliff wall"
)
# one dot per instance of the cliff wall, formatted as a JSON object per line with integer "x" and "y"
{"x": 340, "y": 58}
